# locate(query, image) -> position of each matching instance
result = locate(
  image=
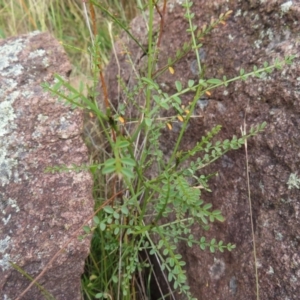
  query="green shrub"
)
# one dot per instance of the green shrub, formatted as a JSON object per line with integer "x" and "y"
{"x": 150, "y": 216}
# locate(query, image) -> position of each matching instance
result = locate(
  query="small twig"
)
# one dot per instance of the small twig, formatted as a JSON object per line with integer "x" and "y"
{"x": 93, "y": 16}
{"x": 243, "y": 130}
{"x": 65, "y": 245}
{"x": 162, "y": 16}
{"x": 116, "y": 56}
{"x": 87, "y": 21}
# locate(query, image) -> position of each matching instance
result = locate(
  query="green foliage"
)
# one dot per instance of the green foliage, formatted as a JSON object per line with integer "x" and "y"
{"x": 153, "y": 214}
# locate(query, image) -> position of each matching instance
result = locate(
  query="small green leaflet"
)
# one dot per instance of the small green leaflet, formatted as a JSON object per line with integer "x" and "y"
{"x": 128, "y": 161}
{"x": 214, "y": 81}
{"x": 178, "y": 86}
{"x": 191, "y": 83}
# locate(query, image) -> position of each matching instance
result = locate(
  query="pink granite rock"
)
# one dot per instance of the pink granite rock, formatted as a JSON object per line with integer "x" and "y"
{"x": 257, "y": 31}
{"x": 39, "y": 211}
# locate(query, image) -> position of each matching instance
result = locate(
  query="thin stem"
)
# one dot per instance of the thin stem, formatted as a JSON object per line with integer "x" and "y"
{"x": 251, "y": 215}
{"x": 150, "y": 54}
{"x": 185, "y": 123}
{"x": 191, "y": 29}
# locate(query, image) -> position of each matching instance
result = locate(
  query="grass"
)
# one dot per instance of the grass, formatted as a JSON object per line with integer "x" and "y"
{"x": 145, "y": 218}
{"x": 65, "y": 20}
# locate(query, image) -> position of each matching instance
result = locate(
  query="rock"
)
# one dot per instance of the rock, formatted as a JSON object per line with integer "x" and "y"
{"x": 257, "y": 31}
{"x": 39, "y": 211}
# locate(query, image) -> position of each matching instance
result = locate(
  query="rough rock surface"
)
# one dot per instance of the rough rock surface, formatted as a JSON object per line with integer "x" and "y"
{"x": 39, "y": 211}
{"x": 257, "y": 31}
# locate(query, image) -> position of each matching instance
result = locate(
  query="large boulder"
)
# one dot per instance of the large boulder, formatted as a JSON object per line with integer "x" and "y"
{"x": 257, "y": 31}
{"x": 39, "y": 211}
